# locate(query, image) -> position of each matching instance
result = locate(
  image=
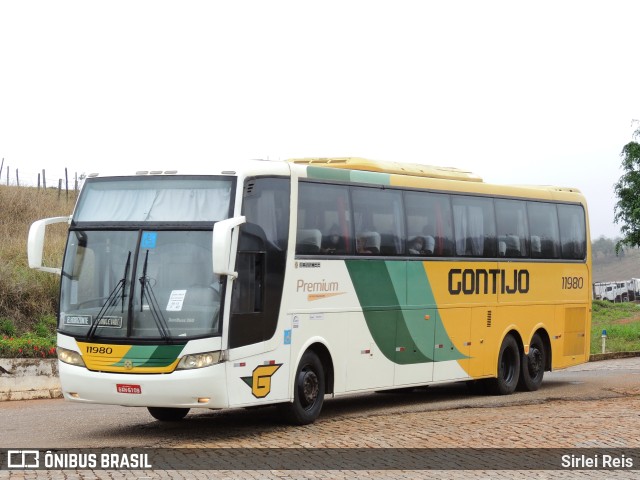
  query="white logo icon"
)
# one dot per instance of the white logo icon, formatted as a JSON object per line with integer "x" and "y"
{"x": 23, "y": 458}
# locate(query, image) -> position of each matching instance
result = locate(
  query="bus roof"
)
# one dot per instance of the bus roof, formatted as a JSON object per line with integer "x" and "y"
{"x": 413, "y": 169}
{"x": 427, "y": 176}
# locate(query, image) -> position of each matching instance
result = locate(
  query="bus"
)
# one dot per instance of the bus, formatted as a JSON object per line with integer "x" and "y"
{"x": 283, "y": 282}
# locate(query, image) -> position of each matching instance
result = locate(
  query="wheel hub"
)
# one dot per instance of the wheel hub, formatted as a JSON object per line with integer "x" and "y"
{"x": 309, "y": 387}
{"x": 535, "y": 361}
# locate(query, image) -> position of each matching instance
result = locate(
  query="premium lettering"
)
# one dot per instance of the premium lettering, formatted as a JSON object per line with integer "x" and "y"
{"x": 316, "y": 287}
{"x": 475, "y": 281}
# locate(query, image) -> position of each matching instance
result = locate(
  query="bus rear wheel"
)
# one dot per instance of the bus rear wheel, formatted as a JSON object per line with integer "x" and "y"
{"x": 308, "y": 395}
{"x": 168, "y": 414}
{"x": 508, "y": 368}
{"x": 533, "y": 364}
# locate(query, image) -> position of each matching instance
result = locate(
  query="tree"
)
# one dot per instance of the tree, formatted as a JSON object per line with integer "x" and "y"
{"x": 604, "y": 247}
{"x": 627, "y": 189}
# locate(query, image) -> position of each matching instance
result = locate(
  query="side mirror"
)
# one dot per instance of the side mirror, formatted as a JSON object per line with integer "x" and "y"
{"x": 35, "y": 243}
{"x": 223, "y": 263}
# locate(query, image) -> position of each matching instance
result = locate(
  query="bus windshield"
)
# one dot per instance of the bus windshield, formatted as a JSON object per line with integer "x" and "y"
{"x": 144, "y": 272}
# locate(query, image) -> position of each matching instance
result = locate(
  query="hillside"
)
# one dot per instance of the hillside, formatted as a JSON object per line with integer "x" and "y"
{"x": 611, "y": 268}
{"x": 26, "y": 296}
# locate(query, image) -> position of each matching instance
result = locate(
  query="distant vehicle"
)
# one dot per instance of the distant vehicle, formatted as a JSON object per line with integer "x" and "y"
{"x": 613, "y": 291}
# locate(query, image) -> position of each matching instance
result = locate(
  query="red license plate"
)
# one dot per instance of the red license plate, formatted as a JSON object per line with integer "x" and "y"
{"x": 134, "y": 389}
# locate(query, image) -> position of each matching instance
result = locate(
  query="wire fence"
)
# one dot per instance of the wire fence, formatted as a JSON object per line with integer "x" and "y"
{"x": 56, "y": 178}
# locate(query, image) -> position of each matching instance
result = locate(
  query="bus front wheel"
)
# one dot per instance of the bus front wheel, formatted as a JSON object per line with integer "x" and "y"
{"x": 168, "y": 414}
{"x": 508, "y": 368}
{"x": 308, "y": 394}
{"x": 533, "y": 364}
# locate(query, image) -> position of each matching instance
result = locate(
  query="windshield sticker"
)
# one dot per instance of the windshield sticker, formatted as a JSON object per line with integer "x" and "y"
{"x": 176, "y": 299}
{"x": 149, "y": 240}
{"x": 77, "y": 320}
{"x": 110, "y": 322}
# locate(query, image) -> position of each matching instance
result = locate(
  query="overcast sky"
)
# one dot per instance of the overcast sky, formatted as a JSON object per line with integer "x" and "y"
{"x": 518, "y": 92}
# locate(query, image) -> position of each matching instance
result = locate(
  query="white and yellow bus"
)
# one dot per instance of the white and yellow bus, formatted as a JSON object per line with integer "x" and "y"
{"x": 283, "y": 282}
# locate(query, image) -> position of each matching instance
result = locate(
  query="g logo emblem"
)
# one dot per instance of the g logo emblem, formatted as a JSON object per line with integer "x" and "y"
{"x": 128, "y": 364}
{"x": 260, "y": 381}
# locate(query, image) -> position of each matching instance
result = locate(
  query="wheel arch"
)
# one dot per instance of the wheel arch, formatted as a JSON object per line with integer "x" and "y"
{"x": 320, "y": 348}
{"x": 513, "y": 331}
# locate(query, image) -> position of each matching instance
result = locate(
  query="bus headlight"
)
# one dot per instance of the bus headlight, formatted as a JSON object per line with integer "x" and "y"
{"x": 70, "y": 357}
{"x": 199, "y": 360}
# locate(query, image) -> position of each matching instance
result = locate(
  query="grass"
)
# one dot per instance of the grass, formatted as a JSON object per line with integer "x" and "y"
{"x": 28, "y": 297}
{"x": 622, "y": 323}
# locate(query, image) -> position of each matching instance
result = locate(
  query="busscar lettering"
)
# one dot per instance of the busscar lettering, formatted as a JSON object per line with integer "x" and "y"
{"x": 476, "y": 281}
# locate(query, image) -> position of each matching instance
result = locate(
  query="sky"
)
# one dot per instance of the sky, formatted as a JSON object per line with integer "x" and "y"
{"x": 540, "y": 92}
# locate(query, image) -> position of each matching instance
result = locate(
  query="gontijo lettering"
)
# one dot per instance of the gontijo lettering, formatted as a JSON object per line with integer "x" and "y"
{"x": 471, "y": 281}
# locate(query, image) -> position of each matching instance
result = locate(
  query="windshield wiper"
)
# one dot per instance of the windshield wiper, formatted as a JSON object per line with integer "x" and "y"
{"x": 126, "y": 273}
{"x": 146, "y": 292}
{"x": 119, "y": 289}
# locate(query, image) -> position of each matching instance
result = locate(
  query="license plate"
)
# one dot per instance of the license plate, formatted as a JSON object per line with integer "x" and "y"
{"x": 133, "y": 389}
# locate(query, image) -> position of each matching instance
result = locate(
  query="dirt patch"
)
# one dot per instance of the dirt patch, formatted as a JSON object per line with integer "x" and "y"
{"x": 625, "y": 321}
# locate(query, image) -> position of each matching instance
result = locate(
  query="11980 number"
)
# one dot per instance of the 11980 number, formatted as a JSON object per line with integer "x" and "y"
{"x": 100, "y": 350}
{"x": 572, "y": 283}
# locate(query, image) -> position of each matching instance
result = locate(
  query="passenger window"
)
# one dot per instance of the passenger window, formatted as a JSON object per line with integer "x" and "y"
{"x": 324, "y": 220}
{"x": 572, "y": 232}
{"x": 429, "y": 224}
{"x": 543, "y": 227}
{"x": 378, "y": 221}
{"x": 513, "y": 232}
{"x": 474, "y": 226}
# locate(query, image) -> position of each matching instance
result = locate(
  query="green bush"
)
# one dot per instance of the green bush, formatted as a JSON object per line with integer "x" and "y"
{"x": 46, "y": 327}
{"x": 7, "y": 328}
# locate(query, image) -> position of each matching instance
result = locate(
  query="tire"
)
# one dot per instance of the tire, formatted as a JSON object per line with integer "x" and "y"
{"x": 508, "y": 368}
{"x": 533, "y": 365}
{"x": 168, "y": 414}
{"x": 309, "y": 389}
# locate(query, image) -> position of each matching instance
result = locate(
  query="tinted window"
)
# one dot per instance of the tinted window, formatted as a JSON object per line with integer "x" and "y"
{"x": 513, "y": 232}
{"x": 378, "y": 221}
{"x": 543, "y": 227}
{"x": 324, "y": 220}
{"x": 429, "y": 224}
{"x": 572, "y": 231}
{"x": 474, "y": 226}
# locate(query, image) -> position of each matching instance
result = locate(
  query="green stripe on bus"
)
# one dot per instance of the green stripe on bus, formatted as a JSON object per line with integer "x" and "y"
{"x": 163, "y": 356}
{"x": 343, "y": 175}
{"x": 395, "y": 297}
{"x": 361, "y": 176}
{"x": 151, "y": 355}
{"x": 323, "y": 173}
